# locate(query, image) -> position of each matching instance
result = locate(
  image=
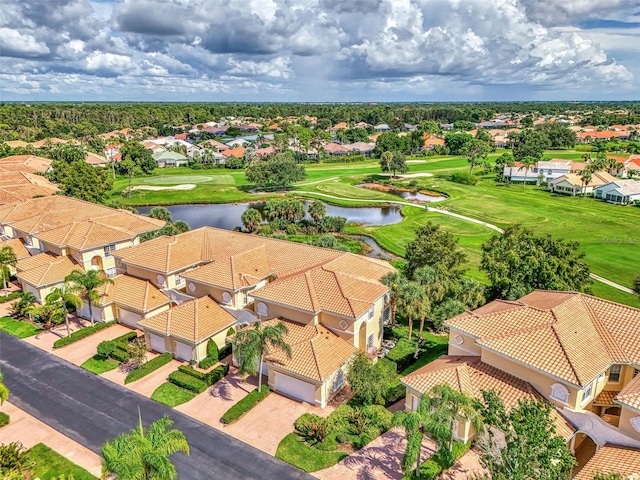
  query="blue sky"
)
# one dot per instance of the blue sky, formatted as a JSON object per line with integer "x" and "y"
{"x": 319, "y": 50}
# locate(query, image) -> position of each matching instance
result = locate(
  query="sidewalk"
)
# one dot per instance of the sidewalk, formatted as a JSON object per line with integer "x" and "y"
{"x": 30, "y": 431}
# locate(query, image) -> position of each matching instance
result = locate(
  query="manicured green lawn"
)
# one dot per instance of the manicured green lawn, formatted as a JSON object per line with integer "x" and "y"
{"x": 18, "y": 328}
{"x": 50, "y": 465}
{"x": 295, "y": 452}
{"x": 99, "y": 365}
{"x": 171, "y": 395}
{"x": 603, "y": 290}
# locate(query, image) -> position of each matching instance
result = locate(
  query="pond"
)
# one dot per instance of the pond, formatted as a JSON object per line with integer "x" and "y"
{"x": 415, "y": 195}
{"x": 376, "y": 251}
{"x": 228, "y": 215}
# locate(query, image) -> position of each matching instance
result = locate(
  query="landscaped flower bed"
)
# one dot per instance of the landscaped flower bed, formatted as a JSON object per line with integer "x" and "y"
{"x": 82, "y": 333}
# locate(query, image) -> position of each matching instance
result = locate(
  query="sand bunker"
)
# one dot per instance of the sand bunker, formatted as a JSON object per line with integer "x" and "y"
{"x": 184, "y": 186}
{"x": 416, "y": 161}
{"x": 410, "y": 175}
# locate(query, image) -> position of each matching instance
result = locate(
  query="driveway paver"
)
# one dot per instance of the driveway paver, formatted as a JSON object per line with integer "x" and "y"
{"x": 147, "y": 385}
{"x": 380, "y": 459}
{"x": 80, "y": 351}
{"x": 30, "y": 431}
{"x": 209, "y": 406}
{"x": 266, "y": 424}
{"x": 45, "y": 340}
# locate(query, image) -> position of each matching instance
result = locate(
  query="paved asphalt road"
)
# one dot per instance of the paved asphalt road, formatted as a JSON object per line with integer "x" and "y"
{"x": 92, "y": 410}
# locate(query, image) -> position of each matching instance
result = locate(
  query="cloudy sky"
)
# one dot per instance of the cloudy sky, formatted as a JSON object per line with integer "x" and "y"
{"x": 319, "y": 50}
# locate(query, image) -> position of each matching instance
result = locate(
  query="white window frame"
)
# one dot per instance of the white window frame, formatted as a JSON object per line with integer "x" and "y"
{"x": 111, "y": 272}
{"x": 370, "y": 314}
{"x": 180, "y": 280}
{"x": 617, "y": 373}
{"x": 556, "y": 390}
{"x": 108, "y": 249}
{"x": 245, "y": 297}
{"x": 370, "y": 340}
{"x": 587, "y": 393}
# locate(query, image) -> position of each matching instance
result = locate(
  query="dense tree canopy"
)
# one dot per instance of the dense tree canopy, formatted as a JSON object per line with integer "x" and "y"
{"x": 81, "y": 180}
{"x": 528, "y": 447}
{"x": 529, "y": 143}
{"x": 518, "y": 262}
{"x": 277, "y": 172}
{"x": 436, "y": 248}
{"x": 559, "y": 135}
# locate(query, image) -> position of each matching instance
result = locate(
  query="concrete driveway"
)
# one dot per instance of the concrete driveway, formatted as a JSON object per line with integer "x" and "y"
{"x": 209, "y": 406}
{"x": 270, "y": 421}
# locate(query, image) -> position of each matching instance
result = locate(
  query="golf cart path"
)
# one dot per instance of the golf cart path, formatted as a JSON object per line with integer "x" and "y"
{"x": 461, "y": 217}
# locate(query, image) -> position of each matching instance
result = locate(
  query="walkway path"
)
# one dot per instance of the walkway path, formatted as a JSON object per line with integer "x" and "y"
{"x": 461, "y": 217}
{"x": 92, "y": 410}
{"x": 30, "y": 431}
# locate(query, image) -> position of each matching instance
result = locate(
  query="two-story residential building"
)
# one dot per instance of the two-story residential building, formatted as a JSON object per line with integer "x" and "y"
{"x": 332, "y": 302}
{"x": 85, "y": 234}
{"x": 544, "y": 170}
{"x": 579, "y": 352}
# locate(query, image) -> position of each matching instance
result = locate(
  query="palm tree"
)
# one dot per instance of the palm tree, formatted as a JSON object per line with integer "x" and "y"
{"x": 416, "y": 425}
{"x": 317, "y": 210}
{"x": 446, "y": 405}
{"x": 25, "y": 306}
{"x": 56, "y": 306}
{"x": 87, "y": 284}
{"x": 8, "y": 259}
{"x": 527, "y": 162}
{"x": 411, "y": 295}
{"x": 4, "y": 390}
{"x": 252, "y": 344}
{"x": 143, "y": 454}
{"x": 586, "y": 175}
{"x": 393, "y": 281}
{"x": 636, "y": 285}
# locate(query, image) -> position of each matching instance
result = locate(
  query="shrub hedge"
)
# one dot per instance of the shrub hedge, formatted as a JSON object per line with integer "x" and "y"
{"x": 207, "y": 362}
{"x": 11, "y": 296}
{"x": 4, "y": 419}
{"x": 434, "y": 466}
{"x": 188, "y": 382}
{"x": 126, "y": 338}
{"x": 82, "y": 333}
{"x": 212, "y": 350}
{"x": 244, "y": 405}
{"x": 403, "y": 353}
{"x": 120, "y": 354}
{"x": 148, "y": 367}
{"x": 209, "y": 377}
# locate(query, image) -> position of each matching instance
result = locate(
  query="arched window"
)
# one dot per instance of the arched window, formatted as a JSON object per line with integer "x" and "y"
{"x": 635, "y": 423}
{"x": 559, "y": 392}
{"x": 263, "y": 311}
{"x": 160, "y": 279}
{"x": 192, "y": 287}
{"x": 226, "y": 298}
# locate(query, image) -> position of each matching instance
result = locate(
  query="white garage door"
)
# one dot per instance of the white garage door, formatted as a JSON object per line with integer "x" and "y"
{"x": 97, "y": 312}
{"x": 295, "y": 388}
{"x": 129, "y": 318}
{"x": 157, "y": 343}
{"x": 184, "y": 351}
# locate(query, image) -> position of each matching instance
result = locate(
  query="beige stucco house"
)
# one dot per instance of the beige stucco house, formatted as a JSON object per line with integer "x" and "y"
{"x": 184, "y": 330}
{"x": 579, "y": 352}
{"x": 258, "y": 278}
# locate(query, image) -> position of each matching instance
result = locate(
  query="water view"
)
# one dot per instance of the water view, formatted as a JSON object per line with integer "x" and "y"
{"x": 227, "y": 215}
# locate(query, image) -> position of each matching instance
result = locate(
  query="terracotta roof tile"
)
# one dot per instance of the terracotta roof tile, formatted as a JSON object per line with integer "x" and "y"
{"x": 611, "y": 459}
{"x": 569, "y": 335}
{"x": 50, "y": 273}
{"x": 316, "y": 352}
{"x": 471, "y": 376}
{"x": 132, "y": 293}
{"x": 630, "y": 394}
{"x": 37, "y": 260}
{"x": 605, "y": 397}
{"x": 18, "y": 247}
{"x": 194, "y": 321}
{"x": 89, "y": 234}
{"x": 25, "y": 163}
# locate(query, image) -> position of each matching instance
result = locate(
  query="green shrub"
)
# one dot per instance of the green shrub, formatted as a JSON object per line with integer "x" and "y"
{"x": 312, "y": 427}
{"x": 11, "y": 296}
{"x": 106, "y": 348}
{"x": 212, "y": 350}
{"x": 125, "y": 339}
{"x": 343, "y": 438}
{"x": 194, "y": 373}
{"x": 4, "y": 419}
{"x": 187, "y": 382}
{"x": 82, "y": 333}
{"x": 207, "y": 362}
{"x": 224, "y": 351}
{"x": 148, "y": 367}
{"x": 13, "y": 458}
{"x": 244, "y": 405}
{"x": 430, "y": 469}
{"x": 395, "y": 393}
{"x": 464, "y": 178}
{"x": 230, "y": 332}
{"x": 217, "y": 374}
{"x": 402, "y": 354}
{"x": 378, "y": 416}
{"x": 438, "y": 463}
{"x": 339, "y": 419}
{"x": 120, "y": 354}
